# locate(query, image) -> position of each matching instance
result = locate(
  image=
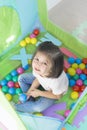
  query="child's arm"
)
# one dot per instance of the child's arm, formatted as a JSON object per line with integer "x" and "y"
{"x": 47, "y": 94}
{"x": 33, "y": 86}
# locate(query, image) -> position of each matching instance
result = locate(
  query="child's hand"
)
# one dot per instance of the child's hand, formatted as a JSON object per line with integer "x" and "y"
{"x": 35, "y": 93}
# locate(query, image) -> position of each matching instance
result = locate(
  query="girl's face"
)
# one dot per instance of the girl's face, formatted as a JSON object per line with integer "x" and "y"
{"x": 41, "y": 64}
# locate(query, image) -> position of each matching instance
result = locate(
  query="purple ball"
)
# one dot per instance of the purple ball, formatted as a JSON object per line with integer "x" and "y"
{"x": 78, "y": 71}
{"x": 20, "y": 70}
{"x": 79, "y": 82}
{"x": 10, "y": 84}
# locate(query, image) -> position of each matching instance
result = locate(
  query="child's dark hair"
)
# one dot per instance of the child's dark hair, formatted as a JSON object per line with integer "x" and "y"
{"x": 55, "y": 55}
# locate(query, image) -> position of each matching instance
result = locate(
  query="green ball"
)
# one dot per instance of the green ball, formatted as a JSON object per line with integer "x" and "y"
{"x": 15, "y": 98}
{"x": 18, "y": 91}
{"x": 8, "y": 77}
{"x": 4, "y": 89}
{"x": 76, "y": 76}
{"x": 85, "y": 82}
{"x": 15, "y": 78}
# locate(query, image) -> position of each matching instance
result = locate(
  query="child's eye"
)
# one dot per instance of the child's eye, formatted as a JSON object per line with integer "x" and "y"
{"x": 45, "y": 63}
{"x": 36, "y": 59}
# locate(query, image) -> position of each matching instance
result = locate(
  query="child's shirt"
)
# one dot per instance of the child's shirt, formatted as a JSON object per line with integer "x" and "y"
{"x": 56, "y": 85}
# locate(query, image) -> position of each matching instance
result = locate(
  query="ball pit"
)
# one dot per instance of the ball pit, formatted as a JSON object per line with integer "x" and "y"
{"x": 78, "y": 72}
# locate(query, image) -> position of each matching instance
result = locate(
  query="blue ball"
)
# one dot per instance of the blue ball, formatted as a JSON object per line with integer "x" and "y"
{"x": 71, "y": 60}
{"x": 82, "y": 76}
{"x": 68, "y": 75}
{"x": 78, "y": 61}
{"x": 14, "y": 73}
{"x": 12, "y": 91}
{"x": 72, "y": 82}
{"x": 23, "y": 97}
{"x": 3, "y": 82}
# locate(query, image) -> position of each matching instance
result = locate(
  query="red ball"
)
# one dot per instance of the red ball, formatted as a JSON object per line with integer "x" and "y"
{"x": 36, "y": 31}
{"x": 82, "y": 88}
{"x": 85, "y": 71}
{"x": 84, "y": 60}
{"x": 0, "y": 86}
{"x": 76, "y": 88}
{"x": 16, "y": 85}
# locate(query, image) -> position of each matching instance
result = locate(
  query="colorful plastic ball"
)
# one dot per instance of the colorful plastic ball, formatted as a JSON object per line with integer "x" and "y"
{"x": 86, "y": 66}
{"x": 72, "y": 82}
{"x": 79, "y": 82}
{"x": 72, "y": 105}
{"x": 10, "y": 84}
{"x": 33, "y": 40}
{"x": 14, "y": 73}
{"x": 15, "y": 78}
{"x": 82, "y": 76}
{"x": 85, "y": 82}
{"x": 85, "y": 71}
{"x": 76, "y": 76}
{"x": 71, "y": 60}
{"x": 8, "y": 96}
{"x": 82, "y": 88}
{"x": 20, "y": 70}
{"x": 15, "y": 98}
{"x": 75, "y": 65}
{"x": 18, "y": 91}
{"x": 82, "y": 66}
{"x": 23, "y": 97}
{"x": 67, "y": 112}
{"x": 12, "y": 91}
{"x": 71, "y": 71}
{"x": 27, "y": 40}
{"x": 78, "y": 61}
{"x": 74, "y": 95}
{"x": 36, "y": 31}
{"x": 26, "y": 67}
{"x": 78, "y": 71}
{"x": 23, "y": 43}
{"x": 63, "y": 128}
{"x": 3, "y": 82}
{"x": 0, "y": 86}
{"x": 84, "y": 60}
{"x": 8, "y": 77}
{"x": 32, "y": 35}
{"x": 16, "y": 85}
{"x": 76, "y": 88}
{"x": 4, "y": 89}
{"x": 38, "y": 114}
{"x": 68, "y": 76}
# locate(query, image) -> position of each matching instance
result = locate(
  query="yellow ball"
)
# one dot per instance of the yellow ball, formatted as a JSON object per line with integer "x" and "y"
{"x": 82, "y": 66}
{"x": 27, "y": 40}
{"x": 74, "y": 95}
{"x": 75, "y": 65}
{"x": 71, "y": 71}
{"x": 38, "y": 114}
{"x": 8, "y": 96}
{"x": 33, "y": 40}
{"x": 23, "y": 43}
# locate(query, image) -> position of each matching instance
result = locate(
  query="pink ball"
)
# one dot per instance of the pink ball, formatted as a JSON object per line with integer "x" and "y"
{"x": 79, "y": 82}
{"x": 32, "y": 35}
{"x": 20, "y": 70}
{"x": 67, "y": 113}
{"x": 10, "y": 84}
{"x": 78, "y": 71}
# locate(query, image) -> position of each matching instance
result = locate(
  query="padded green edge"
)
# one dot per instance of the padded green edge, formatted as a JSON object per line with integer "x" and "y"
{"x": 69, "y": 41}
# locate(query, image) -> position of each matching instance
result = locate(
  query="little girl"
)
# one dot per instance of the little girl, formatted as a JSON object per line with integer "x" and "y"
{"x": 47, "y": 67}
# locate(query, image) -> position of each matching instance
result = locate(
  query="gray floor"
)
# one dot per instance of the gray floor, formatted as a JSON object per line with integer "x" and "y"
{"x": 71, "y": 15}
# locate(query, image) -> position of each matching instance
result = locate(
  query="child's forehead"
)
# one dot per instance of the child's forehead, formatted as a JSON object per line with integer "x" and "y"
{"x": 42, "y": 55}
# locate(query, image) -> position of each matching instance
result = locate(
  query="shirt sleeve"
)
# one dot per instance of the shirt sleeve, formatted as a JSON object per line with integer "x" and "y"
{"x": 61, "y": 90}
